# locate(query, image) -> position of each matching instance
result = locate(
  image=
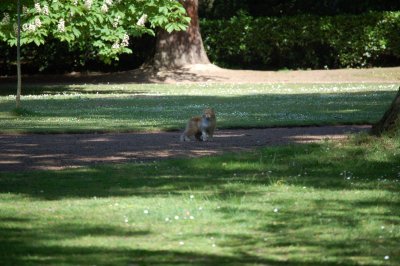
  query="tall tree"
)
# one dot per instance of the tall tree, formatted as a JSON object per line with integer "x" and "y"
{"x": 181, "y": 48}
{"x": 100, "y": 28}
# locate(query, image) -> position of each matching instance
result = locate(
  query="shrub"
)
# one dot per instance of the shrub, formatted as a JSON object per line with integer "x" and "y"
{"x": 304, "y": 41}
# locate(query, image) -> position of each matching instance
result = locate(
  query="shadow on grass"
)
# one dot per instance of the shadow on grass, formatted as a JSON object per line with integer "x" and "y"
{"x": 310, "y": 165}
{"x": 42, "y": 83}
{"x": 143, "y": 112}
{"x": 293, "y": 232}
{"x": 26, "y": 247}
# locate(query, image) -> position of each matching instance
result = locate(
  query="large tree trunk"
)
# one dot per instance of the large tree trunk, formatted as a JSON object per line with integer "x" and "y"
{"x": 181, "y": 48}
{"x": 390, "y": 120}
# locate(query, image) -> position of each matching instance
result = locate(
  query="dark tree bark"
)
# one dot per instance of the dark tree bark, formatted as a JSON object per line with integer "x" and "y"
{"x": 18, "y": 97}
{"x": 181, "y": 48}
{"x": 390, "y": 120}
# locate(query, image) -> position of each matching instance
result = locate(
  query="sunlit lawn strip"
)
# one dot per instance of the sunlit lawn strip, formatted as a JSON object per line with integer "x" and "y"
{"x": 121, "y": 108}
{"x": 316, "y": 204}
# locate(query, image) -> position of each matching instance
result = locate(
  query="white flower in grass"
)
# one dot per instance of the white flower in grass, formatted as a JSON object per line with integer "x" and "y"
{"x": 191, "y": 218}
{"x": 276, "y": 210}
{"x": 167, "y": 219}
{"x": 181, "y": 243}
{"x": 176, "y": 217}
{"x": 146, "y": 211}
{"x": 386, "y": 257}
{"x": 191, "y": 196}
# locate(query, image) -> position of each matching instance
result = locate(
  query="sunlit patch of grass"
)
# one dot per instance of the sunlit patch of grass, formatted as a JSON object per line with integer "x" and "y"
{"x": 316, "y": 204}
{"x": 167, "y": 107}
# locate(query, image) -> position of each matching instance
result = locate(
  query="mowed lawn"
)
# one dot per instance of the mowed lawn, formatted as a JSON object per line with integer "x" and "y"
{"x": 315, "y": 204}
{"x": 332, "y": 203}
{"x": 121, "y": 108}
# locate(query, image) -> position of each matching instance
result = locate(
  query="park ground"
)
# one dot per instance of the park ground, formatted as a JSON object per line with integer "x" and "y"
{"x": 274, "y": 199}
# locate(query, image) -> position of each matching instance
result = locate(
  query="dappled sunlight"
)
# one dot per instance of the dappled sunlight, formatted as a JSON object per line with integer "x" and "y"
{"x": 270, "y": 206}
{"x": 160, "y": 107}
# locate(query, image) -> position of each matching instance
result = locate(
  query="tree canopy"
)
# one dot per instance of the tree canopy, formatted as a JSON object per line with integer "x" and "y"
{"x": 101, "y": 28}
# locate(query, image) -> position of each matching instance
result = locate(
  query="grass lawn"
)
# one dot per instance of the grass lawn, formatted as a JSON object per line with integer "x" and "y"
{"x": 333, "y": 203}
{"x": 316, "y": 204}
{"x": 119, "y": 108}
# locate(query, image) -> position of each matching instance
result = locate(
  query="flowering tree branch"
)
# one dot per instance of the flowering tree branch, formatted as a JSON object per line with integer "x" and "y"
{"x": 102, "y": 27}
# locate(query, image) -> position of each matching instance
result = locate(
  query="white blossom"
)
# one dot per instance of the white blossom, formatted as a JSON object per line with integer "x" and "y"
{"x": 104, "y": 8}
{"x": 29, "y": 27}
{"x": 38, "y": 8}
{"x": 142, "y": 20}
{"x": 61, "y": 25}
{"x": 38, "y": 23}
{"x": 116, "y": 21}
{"x": 6, "y": 19}
{"x": 125, "y": 40}
{"x": 116, "y": 46}
{"x": 88, "y": 3}
{"x": 109, "y": 2}
{"x": 24, "y": 9}
{"x": 45, "y": 10}
{"x": 75, "y": 2}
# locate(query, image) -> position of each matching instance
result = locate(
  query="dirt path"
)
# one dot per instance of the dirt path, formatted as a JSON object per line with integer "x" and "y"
{"x": 28, "y": 152}
{"x": 213, "y": 74}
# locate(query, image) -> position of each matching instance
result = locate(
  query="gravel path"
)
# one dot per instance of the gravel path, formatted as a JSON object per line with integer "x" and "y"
{"x": 29, "y": 152}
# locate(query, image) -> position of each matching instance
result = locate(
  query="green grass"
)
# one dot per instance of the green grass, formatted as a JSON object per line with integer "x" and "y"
{"x": 315, "y": 204}
{"x": 120, "y": 108}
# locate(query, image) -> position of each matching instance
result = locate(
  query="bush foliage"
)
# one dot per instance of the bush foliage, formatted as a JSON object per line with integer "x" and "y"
{"x": 304, "y": 41}
{"x": 243, "y": 41}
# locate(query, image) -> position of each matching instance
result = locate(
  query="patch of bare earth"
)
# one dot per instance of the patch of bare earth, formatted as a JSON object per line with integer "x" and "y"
{"x": 213, "y": 74}
{"x": 29, "y": 152}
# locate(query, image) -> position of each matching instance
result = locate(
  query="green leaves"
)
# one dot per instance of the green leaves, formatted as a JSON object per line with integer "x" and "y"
{"x": 96, "y": 25}
{"x": 303, "y": 41}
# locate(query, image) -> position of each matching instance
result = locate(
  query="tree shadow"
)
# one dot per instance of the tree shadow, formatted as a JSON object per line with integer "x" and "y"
{"x": 299, "y": 165}
{"x": 146, "y": 75}
{"x": 28, "y": 247}
{"x": 288, "y": 233}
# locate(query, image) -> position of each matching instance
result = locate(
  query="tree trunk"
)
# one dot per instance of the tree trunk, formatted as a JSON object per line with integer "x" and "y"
{"x": 181, "y": 48}
{"x": 390, "y": 120}
{"x": 18, "y": 97}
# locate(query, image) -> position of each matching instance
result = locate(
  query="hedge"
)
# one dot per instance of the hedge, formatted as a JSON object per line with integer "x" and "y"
{"x": 304, "y": 41}
{"x": 292, "y": 42}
